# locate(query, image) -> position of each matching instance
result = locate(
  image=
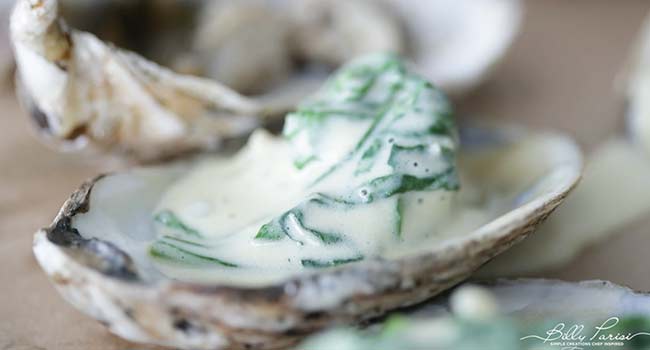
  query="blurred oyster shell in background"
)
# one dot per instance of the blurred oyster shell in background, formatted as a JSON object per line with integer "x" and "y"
{"x": 533, "y": 301}
{"x": 458, "y": 43}
{"x": 81, "y": 90}
{"x": 244, "y": 45}
{"x": 607, "y": 199}
{"x": 637, "y": 75}
{"x": 614, "y": 191}
{"x": 333, "y": 32}
{"x": 454, "y": 43}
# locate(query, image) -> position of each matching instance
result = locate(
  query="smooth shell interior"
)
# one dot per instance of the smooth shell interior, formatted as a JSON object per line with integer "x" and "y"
{"x": 507, "y": 168}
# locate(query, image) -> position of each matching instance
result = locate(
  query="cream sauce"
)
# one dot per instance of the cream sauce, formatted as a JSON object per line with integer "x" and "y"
{"x": 365, "y": 179}
{"x": 228, "y": 200}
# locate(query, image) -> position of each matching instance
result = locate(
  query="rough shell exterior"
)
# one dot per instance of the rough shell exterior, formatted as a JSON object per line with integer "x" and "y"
{"x": 100, "y": 280}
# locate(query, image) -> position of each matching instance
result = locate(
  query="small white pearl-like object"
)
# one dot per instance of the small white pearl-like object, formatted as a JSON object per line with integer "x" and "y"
{"x": 473, "y": 302}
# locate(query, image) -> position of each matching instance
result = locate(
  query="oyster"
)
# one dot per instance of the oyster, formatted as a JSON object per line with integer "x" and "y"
{"x": 333, "y": 32}
{"x": 93, "y": 269}
{"x": 99, "y": 252}
{"x": 245, "y": 45}
{"x": 531, "y": 300}
{"x": 81, "y": 90}
{"x": 457, "y": 44}
{"x": 517, "y": 314}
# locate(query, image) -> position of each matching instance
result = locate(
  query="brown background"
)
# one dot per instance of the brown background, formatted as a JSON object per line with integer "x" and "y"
{"x": 559, "y": 74}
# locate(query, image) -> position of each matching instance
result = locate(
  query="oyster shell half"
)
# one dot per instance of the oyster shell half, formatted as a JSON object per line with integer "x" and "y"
{"x": 637, "y": 89}
{"x": 510, "y": 314}
{"x": 532, "y": 300}
{"x": 455, "y": 44}
{"x": 90, "y": 252}
{"x": 82, "y": 90}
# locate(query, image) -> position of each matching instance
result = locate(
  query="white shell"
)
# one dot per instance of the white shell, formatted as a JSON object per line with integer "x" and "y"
{"x": 457, "y": 43}
{"x": 638, "y": 89}
{"x": 81, "y": 90}
{"x": 99, "y": 271}
{"x": 454, "y": 43}
{"x": 538, "y": 300}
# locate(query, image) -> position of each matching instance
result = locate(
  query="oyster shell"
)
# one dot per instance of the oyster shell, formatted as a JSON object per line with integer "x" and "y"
{"x": 245, "y": 45}
{"x": 507, "y": 314}
{"x": 531, "y": 300}
{"x": 334, "y": 32}
{"x": 81, "y": 90}
{"x": 457, "y": 44}
{"x": 637, "y": 89}
{"x": 96, "y": 267}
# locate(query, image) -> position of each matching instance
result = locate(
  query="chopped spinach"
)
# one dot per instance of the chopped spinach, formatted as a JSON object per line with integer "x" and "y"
{"x": 167, "y": 251}
{"x": 329, "y": 201}
{"x": 170, "y": 220}
{"x": 368, "y": 157}
{"x": 408, "y": 118}
{"x": 358, "y": 91}
{"x": 389, "y": 185}
{"x": 404, "y": 111}
{"x": 281, "y": 227}
{"x": 183, "y": 241}
{"x": 311, "y": 263}
{"x": 270, "y": 232}
{"x": 399, "y": 216}
{"x": 301, "y": 163}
